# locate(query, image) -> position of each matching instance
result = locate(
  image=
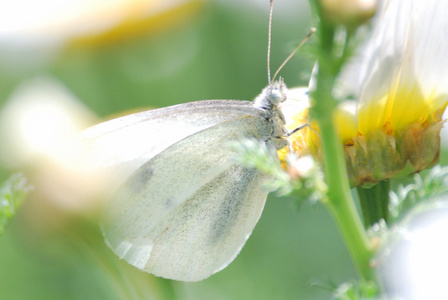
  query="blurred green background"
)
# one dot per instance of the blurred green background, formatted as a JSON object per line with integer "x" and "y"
{"x": 218, "y": 52}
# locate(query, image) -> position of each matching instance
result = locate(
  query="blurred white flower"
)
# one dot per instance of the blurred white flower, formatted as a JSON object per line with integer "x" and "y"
{"x": 32, "y": 32}
{"x": 39, "y": 130}
{"x": 38, "y": 118}
{"x": 414, "y": 262}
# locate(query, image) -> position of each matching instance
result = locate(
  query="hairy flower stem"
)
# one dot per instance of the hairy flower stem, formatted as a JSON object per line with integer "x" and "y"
{"x": 339, "y": 201}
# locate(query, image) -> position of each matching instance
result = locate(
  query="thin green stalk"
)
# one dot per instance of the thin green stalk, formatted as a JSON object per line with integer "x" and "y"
{"x": 339, "y": 201}
{"x": 374, "y": 203}
{"x": 166, "y": 289}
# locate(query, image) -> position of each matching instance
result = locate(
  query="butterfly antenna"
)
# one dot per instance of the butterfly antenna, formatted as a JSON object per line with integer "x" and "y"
{"x": 310, "y": 33}
{"x": 269, "y": 41}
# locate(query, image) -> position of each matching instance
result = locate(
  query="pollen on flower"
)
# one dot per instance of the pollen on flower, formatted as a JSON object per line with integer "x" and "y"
{"x": 345, "y": 119}
{"x": 401, "y": 105}
{"x": 298, "y": 141}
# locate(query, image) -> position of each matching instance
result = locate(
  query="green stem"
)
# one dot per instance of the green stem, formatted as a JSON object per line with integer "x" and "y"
{"x": 374, "y": 203}
{"x": 339, "y": 201}
{"x": 166, "y": 289}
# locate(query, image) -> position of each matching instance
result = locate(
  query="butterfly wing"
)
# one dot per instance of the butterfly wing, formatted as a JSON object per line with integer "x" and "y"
{"x": 128, "y": 142}
{"x": 186, "y": 213}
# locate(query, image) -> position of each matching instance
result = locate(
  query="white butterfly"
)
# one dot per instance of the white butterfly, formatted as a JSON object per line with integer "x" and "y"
{"x": 184, "y": 207}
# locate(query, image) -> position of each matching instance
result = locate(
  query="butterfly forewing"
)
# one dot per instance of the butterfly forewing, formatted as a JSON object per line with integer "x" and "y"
{"x": 128, "y": 142}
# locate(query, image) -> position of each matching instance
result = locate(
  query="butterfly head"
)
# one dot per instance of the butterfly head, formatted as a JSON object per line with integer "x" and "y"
{"x": 272, "y": 95}
{"x": 276, "y": 92}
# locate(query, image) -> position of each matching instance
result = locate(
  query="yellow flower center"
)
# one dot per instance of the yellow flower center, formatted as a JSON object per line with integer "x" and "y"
{"x": 396, "y": 135}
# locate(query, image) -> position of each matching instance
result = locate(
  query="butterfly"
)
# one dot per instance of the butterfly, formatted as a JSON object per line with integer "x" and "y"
{"x": 183, "y": 207}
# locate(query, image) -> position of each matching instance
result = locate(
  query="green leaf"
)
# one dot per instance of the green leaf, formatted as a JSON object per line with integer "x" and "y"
{"x": 353, "y": 290}
{"x": 433, "y": 184}
{"x": 12, "y": 193}
{"x": 302, "y": 177}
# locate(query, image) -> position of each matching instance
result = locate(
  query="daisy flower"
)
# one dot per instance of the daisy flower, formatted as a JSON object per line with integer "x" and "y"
{"x": 400, "y": 85}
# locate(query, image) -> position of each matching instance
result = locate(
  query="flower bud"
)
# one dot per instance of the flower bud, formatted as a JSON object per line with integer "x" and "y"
{"x": 350, "y": 13}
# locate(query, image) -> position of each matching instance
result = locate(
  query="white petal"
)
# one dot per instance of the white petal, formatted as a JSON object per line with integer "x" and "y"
{"x": 402, "y": 62}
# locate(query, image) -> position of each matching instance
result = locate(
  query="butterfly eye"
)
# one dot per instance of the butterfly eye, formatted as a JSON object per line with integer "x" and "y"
{"x": 276, "y": 96}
